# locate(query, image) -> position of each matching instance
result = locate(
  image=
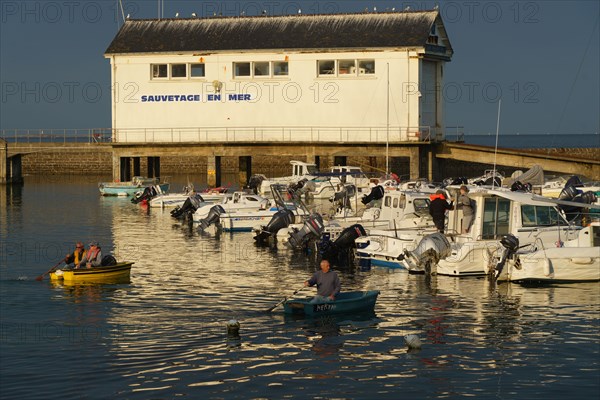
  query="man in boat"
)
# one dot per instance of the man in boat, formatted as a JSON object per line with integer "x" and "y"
{"x": 437, "y": 209}
{"x": 93, "y": 257}
{"x": 327, "y": 281}
{"x": 465, "y": 204}
{"x": 74, "y": 258}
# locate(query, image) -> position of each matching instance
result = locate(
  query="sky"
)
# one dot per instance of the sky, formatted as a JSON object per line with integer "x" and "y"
{"x": 540, "y": 58}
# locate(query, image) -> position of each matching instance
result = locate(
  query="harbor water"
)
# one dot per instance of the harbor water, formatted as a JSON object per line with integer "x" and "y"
{"x": 164, "y": 334}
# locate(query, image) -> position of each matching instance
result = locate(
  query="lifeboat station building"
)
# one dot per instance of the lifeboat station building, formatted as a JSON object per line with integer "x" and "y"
{"x": 325, "y": 85}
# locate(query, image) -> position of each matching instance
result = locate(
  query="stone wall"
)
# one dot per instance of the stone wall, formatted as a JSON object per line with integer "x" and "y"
{"x": 85, "y": 159}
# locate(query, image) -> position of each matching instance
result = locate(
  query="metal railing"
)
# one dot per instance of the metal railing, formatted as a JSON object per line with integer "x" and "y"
{"x": 226, "y": 134}
{"x": 87, "y": 135}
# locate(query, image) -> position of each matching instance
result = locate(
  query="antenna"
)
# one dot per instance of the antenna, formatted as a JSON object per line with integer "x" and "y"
{"x": 496, "y": 148}
{"x": 120, "y": 5}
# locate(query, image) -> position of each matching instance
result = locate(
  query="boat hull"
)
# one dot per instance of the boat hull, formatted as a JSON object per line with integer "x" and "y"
{"x": 119, "y": 272}
{"x": 344, "y": 303}
{"x": 561, "y": 264}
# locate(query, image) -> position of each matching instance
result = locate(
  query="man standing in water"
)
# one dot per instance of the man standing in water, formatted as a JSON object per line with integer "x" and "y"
{"x": 327, "y": 281}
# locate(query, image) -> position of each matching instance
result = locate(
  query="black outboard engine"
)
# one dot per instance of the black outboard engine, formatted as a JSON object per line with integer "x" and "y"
{"x": 148, "y": 193}
{"x": 281, "y": 219}
{"x": 377, "y": 192}
{"x": 212, "y": 217}
{"x": 313, "y": 228}
{"x": 190, "y": 205}
{"x": 254, "y": 182}
{"x": 511, "y": 245}
{"x": 344, "y": 242}
{"x": 572, "y": 193}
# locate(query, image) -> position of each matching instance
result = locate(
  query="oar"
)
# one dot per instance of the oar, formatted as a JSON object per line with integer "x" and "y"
{"x": 39, "y": 278}
{"x": 284, "y": 299}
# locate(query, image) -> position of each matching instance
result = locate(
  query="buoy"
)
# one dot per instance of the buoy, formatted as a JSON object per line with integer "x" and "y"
{"x": 413, "y": 341}
{"x": 233, "y": 327}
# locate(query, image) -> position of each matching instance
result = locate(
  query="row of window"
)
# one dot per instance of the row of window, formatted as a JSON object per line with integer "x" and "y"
{"x": 263, "y": 69}
{"x": 177, "y": 71}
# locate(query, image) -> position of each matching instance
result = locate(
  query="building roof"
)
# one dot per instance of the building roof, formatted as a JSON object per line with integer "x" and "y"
{"x": 333, "y": 31}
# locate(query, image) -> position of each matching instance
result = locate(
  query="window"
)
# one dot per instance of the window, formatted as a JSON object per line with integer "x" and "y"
{"x": 178, "y": 70}
{"x": 197, "y": 70}
{"x": 366, "y": 67}
{"x": 388, "y": 201}
{"x": 496, "y": 212}
{"x": 280, "y": 68}
{"x": 395, "y": 202}
{"x": 159, "y": 71}
{"x": 421, "y": 206}
{"x": 326, "y": 67}
{"x": 241, "y": 69}
{"x": 539, "y": 216}
{"x": 347, "y": 67}
{"x": 261, "y": 69}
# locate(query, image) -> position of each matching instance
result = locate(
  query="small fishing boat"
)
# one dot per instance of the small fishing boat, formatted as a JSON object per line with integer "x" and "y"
{"x": 344, "y": 302}
{"x": 107, "y": 274}
{"x": 129, "y": 188}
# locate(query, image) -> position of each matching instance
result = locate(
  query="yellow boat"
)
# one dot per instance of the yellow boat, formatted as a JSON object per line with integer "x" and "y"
{"x": 108, "y": 274}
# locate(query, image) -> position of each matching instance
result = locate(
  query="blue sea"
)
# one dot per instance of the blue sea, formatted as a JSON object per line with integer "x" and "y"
{"x": 533, "y": 141}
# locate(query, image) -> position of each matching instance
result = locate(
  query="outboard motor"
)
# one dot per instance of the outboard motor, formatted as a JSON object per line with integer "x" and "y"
{"x": 431, "y": 249}
{"x": 212, "y": 217}
{"x": 342, "y": 198}
{"x": 377, "y": 192}
{"x": 511, "y": 245}
{"x": 189, "y": 206}
{"x": 281, "y": 219}
{"x": 148, "y": 193}
{"x": 572, "y": 193}
{"x": 313, "y": 227}
{"x": 254, "y": 182}
{"x": 344, "y": 242}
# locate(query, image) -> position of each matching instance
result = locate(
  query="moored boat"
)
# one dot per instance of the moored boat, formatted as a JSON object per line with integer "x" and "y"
{"x": 104, "y": 274}
{"x": 129, "y": 188}
{"x": 344, "y": 302}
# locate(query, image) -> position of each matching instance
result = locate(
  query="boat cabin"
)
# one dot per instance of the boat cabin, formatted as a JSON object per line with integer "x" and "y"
{"x": 302, "y": 169}
{"x": 500, "y": 212}
{"x": 400, "y": 205}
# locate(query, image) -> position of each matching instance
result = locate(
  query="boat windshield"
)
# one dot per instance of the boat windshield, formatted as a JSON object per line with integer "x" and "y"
{"x": 311, "y": 169}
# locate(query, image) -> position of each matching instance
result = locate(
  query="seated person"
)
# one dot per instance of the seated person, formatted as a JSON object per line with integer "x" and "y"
{"x": 93, "y": 257}
{"x": 76, "y": 256}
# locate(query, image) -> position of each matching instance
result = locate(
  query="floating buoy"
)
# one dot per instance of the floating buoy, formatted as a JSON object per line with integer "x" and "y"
{"x": 413, "y": 341}
{"x": 233, "y": 327}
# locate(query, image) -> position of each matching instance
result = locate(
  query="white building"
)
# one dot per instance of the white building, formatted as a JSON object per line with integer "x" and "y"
{"x": 317, "y": 78}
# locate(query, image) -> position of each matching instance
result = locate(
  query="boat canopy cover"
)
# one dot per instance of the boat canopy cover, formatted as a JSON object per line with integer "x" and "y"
{"x": 535, "y": 176}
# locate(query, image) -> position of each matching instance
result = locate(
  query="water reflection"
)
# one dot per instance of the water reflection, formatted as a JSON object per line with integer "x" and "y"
{"x": 164, "y": 334}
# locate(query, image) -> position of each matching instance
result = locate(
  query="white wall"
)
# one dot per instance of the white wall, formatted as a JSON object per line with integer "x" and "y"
{"x": 302, "y": 102}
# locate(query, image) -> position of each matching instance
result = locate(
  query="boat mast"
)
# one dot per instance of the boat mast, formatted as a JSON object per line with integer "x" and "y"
{"x": 496, "y": 148}
{"x": 387, "y": 130}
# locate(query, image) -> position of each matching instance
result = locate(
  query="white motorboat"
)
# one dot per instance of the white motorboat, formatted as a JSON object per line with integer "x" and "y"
{"x": 328, "y": 183}
{"x": 300, "y": 170}
{"x": 576, "y": 260}
{"x": 235, "y": 202}
{"x": 528, "y": 217}
{"x": 172, "y": 200}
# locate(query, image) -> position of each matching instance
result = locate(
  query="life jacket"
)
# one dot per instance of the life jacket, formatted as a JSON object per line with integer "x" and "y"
{"x": 93, "y": 254}
{"x": 434, "y": 196}
{"x": 78, "y": 256}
